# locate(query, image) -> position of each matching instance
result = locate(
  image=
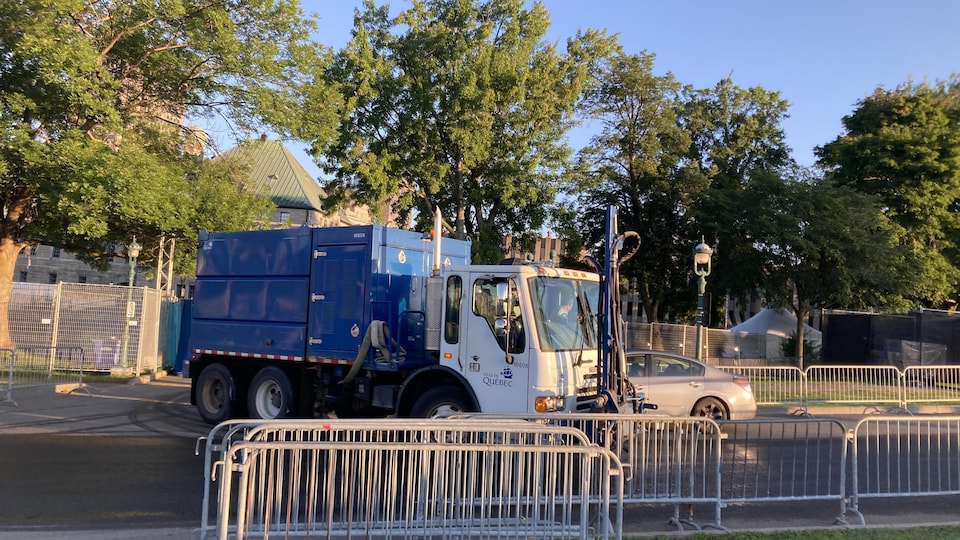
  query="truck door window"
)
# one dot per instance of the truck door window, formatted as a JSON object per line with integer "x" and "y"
{"x": 451, "y": 323}
{"x": 485, "y": 303}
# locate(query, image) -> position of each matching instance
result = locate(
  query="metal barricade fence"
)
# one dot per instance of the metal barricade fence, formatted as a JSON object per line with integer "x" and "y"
{"x": 416, "y": 490}
{"x": 874, "y": 385}
{"x": 6, "y": 375}
{"x": 29, "y": 367}
{"x": 666, "y": 460}
{"x": 784, "y": 460}
{"x": 375, "y": 434}
{"x": 905, "y": 456}
{"x": 931, "y": 384}
{"x": 772, "y": 385}
{"x": 371, "y": 432}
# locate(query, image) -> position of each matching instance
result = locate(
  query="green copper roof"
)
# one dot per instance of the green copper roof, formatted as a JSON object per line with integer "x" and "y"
{"x": 274, "y": 170}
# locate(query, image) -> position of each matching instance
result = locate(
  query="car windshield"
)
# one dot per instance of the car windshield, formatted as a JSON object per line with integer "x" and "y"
{"x": 565, "y": 311}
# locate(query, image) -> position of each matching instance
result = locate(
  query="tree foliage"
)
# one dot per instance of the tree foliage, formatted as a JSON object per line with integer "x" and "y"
{"x": 822, "y": 246}
{"x": 460, "y": 105}
{"x": 638, "y": 163}
{"x": 737, "y": 134}
{"x": 903, "y": 146}
{"x": 92, "y": 98}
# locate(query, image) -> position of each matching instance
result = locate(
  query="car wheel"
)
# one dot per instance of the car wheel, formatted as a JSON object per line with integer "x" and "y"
{"x": 271, "y": 395}
{"x": 216, "y": 394}
{"x": 711, "y": 407}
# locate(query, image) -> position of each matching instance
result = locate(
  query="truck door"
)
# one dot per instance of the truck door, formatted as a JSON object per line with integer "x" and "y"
{"x": 500, "y": 379}
{"x": 339, "y": 286}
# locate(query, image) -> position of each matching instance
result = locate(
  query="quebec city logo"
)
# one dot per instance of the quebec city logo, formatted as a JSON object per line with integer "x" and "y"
{"x": 507, "y": 373}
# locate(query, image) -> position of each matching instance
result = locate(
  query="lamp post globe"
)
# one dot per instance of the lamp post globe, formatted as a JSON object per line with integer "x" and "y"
{"x": 702, "y": 262}
{"x": 133, "y": 251}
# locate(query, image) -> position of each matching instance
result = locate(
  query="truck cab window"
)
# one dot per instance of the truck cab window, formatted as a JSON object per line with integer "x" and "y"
{"x": 565, "y": 313}
{"x": 487, "y": 305}
{"x": 451, "y": 322}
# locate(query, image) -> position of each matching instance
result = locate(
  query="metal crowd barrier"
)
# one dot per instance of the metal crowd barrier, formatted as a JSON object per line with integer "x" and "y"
{"x": 784, "y": 460}
{"x": 457, "y": 476}
{"x": 375, "y": 434}
{"x": 897, "y": 456}
{"x": 28, "y": 367}
{"x": 871, "y": 386}
{"x": 416, "y": 490}
{"x": 875, "y": 385}
{"x": 666, "y": 460}
{"x": 772, "y": 385}
{"x": 931, "y": 384}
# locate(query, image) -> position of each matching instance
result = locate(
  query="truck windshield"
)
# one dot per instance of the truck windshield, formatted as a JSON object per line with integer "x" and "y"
{"x": 565, "y": 312}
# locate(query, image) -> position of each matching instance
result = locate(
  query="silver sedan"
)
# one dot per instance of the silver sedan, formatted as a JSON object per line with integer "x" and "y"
{"x": 681, "y": 386}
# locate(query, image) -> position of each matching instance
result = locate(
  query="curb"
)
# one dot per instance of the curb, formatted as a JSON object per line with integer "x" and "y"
{"x": 143, "y": 379}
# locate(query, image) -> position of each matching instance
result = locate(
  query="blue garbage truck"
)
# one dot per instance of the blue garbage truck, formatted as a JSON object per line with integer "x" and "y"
{"x": 374, "y": 321}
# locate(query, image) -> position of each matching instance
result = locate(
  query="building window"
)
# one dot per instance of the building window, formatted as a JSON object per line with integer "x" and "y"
{"x": 56, "y": 253}
{"x": 284, "y": 217}
{"x": 82, "y": 278}
{"x": 23, "y": 275}
{"x": 52, "y": 278}
{"x": 33, "y": 250}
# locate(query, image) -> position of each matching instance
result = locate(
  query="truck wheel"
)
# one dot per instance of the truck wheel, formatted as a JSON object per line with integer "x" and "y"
{"x": 216, "y": 394}
{"x": 439, "y": 401}
{"x": 270, "y": 395}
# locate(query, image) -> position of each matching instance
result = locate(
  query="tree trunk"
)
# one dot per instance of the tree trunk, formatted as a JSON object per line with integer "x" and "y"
{"x": 652, "y": 310}
{"x": 799, "y": 336}
{"x": 9, "y": 249}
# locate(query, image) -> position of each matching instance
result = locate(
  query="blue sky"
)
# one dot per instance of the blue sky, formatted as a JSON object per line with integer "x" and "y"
{"x": 821, "y": 55}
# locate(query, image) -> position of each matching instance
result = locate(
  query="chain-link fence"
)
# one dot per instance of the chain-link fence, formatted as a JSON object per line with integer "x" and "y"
{"x": 117, "y": 327}
{"x": 719, "y": 346}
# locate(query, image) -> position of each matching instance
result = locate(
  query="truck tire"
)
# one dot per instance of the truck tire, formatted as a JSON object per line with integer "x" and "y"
{"x": 216, "y": 394}
{"x": 440, "y": 400}
{"x": 270, "y": 395}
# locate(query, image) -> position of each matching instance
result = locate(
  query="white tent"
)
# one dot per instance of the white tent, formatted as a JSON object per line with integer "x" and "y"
{"x": 762, "y": 335}
{"x": 775, "y": 322}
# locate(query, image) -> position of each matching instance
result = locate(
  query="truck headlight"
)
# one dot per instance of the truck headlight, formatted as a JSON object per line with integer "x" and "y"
{"x": 546, "y": 404}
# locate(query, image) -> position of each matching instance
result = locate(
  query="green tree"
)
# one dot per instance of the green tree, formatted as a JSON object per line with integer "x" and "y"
{"x": 737, "y": 134}
{"x": 638, "y": 163}
{"x": 903, "y": 145}
{"x": 821, "y": 246}
{"x": 460, "y": 105}
{"x": 92, "y": 98}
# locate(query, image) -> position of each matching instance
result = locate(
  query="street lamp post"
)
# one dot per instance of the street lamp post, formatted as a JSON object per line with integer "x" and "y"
{"x": 133, "y": 251}
{"x": 702, "y": 255}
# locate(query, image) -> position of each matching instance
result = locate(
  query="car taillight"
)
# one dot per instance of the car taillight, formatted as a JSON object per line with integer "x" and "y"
{"x": 742, "y": 382}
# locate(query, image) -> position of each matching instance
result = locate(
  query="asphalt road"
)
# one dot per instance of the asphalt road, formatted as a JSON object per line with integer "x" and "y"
{"x": 117, "y": 461}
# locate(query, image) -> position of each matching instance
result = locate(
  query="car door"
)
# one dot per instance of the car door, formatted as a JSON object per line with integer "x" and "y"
{"x": 674, "y": 384}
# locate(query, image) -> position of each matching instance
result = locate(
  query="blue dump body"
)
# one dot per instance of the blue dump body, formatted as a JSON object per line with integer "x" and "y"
{"x": 309, "y": 294}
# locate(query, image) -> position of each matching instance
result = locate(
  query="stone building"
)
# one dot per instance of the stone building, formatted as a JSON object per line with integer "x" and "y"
{"x": 297, "y": 195}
